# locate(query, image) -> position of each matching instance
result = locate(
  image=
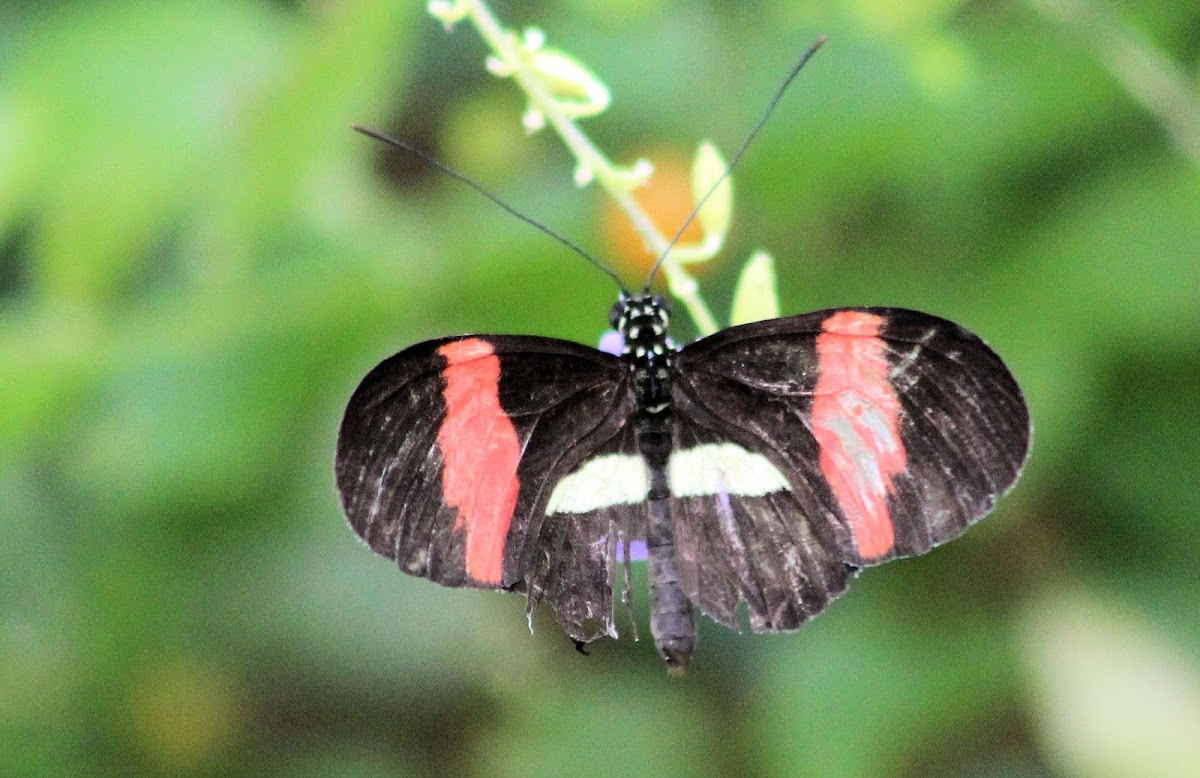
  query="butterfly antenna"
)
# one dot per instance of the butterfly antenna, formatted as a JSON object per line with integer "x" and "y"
{"x": 738, "y": 155}
{"x": 442, "y": 166}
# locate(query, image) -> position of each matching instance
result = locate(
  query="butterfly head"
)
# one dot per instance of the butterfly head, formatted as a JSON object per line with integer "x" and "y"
{"x": 642, "y": 320}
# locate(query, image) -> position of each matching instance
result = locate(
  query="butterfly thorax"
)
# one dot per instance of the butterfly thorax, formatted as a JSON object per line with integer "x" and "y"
{"x": 647, "y": 353}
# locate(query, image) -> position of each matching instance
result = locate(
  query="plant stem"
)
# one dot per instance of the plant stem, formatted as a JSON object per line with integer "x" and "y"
{"x": 505, "y": 46}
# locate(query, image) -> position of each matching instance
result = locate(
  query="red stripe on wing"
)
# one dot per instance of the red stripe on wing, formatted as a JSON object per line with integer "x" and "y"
{"x": 481, "y": 452}
{"x": 856, "y": 421}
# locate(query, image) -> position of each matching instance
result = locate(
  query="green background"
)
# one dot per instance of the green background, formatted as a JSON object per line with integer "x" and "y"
{"x": 199, "y": 260}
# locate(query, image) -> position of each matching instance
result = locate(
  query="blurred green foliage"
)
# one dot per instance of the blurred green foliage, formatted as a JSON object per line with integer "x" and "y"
{"x": 198, "y": 261}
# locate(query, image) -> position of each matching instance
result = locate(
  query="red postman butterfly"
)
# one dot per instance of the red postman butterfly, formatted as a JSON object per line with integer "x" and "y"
{"x": 764, "y": 464}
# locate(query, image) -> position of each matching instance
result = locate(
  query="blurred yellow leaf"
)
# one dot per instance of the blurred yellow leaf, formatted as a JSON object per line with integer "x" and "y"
{"x": 755, "y": 298}
{"x": 717, "y": 211}
{"x": 1113, "y": 697}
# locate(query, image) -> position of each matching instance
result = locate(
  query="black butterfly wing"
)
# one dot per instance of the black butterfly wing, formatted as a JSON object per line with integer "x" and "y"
{"x": 733, "y": 545}
{"x": 448, "y": 454}
{"x": 894, "y": 430}
{"x": 592, "y": 509}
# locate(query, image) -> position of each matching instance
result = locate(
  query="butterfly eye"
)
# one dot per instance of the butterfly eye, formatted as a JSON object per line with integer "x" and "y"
{"x": 616, "y": 313}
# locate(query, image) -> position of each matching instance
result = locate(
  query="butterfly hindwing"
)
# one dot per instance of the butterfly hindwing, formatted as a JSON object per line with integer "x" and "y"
{"x": 592, "y": 509}
{"x": 448, "y": 453}
{"x": 895, "y": 429}
{"x": 744, "y": 537}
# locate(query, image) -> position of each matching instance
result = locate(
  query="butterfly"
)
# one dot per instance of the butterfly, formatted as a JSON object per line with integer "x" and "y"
{"x": 765, "y": 464}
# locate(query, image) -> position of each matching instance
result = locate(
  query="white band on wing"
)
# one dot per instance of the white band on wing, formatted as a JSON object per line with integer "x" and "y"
{"x": 717, "y": 468}
{"x": 610, "y": 479}
{"x": 623, "y": 479}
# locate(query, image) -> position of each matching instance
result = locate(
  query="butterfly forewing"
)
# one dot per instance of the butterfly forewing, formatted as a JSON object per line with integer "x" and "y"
{"x": 447, "y": 458}
{"x": 895, "y": 429}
